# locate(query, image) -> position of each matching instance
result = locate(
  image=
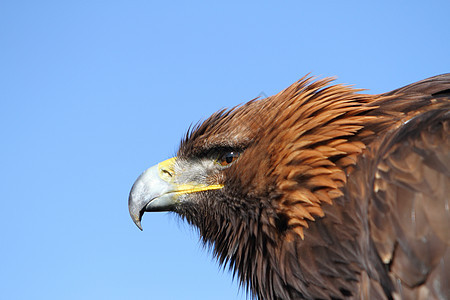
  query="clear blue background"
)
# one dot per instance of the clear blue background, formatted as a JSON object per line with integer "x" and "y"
{"x": 94, "y": 92}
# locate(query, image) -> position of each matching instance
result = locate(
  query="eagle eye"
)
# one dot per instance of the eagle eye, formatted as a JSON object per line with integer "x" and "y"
{"x": 227, "y": 158}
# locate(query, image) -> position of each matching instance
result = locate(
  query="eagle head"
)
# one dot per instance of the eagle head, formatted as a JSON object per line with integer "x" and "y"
{"x": 319, "y": 191}
{"x": 254, "y": 177}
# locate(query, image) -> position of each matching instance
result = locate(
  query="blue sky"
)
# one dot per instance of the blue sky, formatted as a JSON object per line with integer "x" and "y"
{"x": 94, "y": 92}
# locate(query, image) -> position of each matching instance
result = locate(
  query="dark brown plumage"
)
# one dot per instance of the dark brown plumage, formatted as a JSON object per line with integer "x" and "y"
{"x": 321, "y": 192}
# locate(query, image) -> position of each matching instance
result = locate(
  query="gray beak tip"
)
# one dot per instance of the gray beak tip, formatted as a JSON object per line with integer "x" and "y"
{"x": 138, "y": 224}
{"x": 135, "y": 212}
{"x": 137, "y": 221}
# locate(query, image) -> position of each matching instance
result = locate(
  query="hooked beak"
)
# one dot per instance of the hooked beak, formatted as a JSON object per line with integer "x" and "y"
{"x": 157, "y": 190}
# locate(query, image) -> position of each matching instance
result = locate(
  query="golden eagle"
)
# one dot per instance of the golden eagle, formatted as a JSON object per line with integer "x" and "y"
{"x": 320, "y": 191}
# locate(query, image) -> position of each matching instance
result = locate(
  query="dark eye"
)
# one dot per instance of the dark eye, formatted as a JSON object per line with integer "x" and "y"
{"x": 227, "y": 158}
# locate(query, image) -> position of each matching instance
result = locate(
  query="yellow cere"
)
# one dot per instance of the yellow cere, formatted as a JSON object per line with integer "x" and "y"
{"x": 166, "y": 169}
{"x": 167, "y": 172}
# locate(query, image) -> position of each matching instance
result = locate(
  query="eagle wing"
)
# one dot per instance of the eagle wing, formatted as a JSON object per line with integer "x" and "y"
{"x": 409, "y": 216}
